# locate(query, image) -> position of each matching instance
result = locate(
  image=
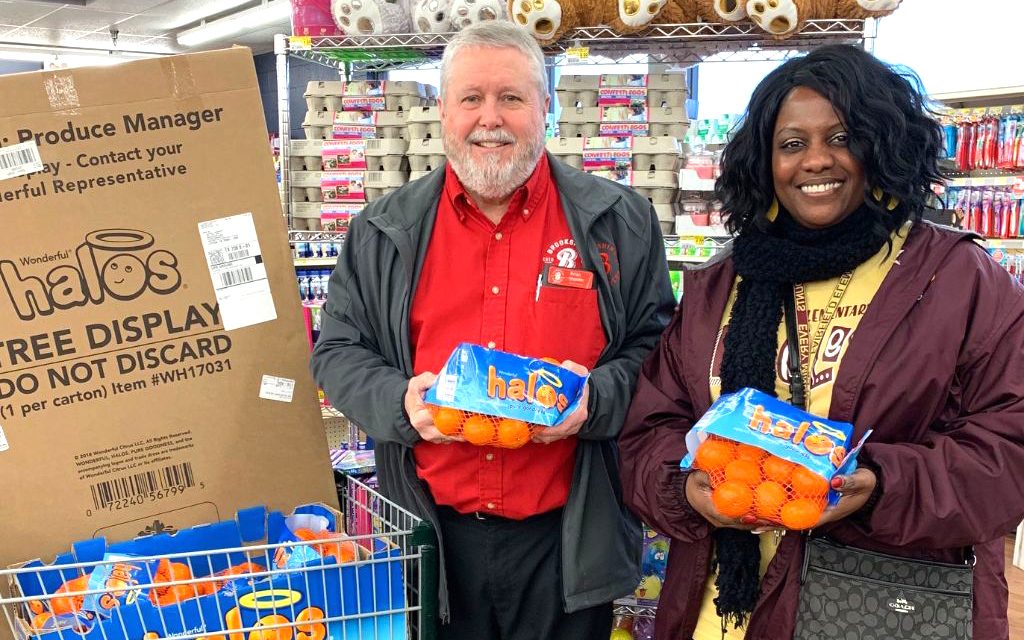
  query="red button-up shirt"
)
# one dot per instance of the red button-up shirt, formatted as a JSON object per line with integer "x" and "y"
{"x": 479, "y": 284}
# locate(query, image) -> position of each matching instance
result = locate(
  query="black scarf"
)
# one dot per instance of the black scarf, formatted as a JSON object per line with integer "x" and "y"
{"x": 770, "y": 263}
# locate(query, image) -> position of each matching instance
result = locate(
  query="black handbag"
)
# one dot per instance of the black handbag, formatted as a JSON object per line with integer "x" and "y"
{"x": 848, "y": 593}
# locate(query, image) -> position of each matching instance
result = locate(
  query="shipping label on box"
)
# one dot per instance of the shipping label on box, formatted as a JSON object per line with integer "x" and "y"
{"x": 144, "y": 271}
{"x": 344, "y": 154}
{"x": 343, "y": 186}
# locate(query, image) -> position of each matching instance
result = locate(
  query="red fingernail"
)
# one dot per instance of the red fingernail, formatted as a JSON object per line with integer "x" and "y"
{"x": 748, "y": 519}
{"x": 837, "y": 482}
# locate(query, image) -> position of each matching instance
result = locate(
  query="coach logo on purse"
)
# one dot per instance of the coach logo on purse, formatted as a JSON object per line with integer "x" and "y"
{"x": 900, "y": 605}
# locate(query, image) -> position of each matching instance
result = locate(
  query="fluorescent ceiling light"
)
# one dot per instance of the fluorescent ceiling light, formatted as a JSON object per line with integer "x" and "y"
{"x": 264, "y": 15}
{"x": 213, "y": 7}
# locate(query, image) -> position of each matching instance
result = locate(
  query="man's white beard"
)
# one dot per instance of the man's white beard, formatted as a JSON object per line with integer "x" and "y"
{"x": 492, "y": 178}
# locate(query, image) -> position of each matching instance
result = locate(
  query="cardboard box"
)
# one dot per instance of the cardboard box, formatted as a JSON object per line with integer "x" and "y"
{"x": 144, "y": 270}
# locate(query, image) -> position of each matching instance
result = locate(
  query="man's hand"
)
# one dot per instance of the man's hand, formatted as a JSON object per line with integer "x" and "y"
{"x": 574, "y": 421}
{"x": 419, "y": 415}
{"x": 855, "y": 488}
{"x": 698, "y": 494}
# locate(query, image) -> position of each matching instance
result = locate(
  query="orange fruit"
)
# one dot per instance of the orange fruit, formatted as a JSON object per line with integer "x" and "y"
{"x": 777, "y": 469}
{"x": 714, "y": 454}
{"x": 448, "y": 421}
{"x": 733, "y": 499}
{"x": 479, "y": 430}
{"x": 70, "y": 604}
{"x": 749, "y": 452}
{"x": 808, "y": 484}
{"x": 513, "y": 433}
{"x": 39, "y": 620}
{"x": 769, "y": 498}
{"x": 819, "y": 444}
{"x": 802, "y": 513}
{"x": 745, "y": 471}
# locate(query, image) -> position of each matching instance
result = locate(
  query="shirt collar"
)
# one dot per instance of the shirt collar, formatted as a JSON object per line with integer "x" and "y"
{"x": 527, "y": 197}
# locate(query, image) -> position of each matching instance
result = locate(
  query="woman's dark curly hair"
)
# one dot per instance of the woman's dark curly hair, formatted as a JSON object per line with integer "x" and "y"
{"x": 891, "y": 132}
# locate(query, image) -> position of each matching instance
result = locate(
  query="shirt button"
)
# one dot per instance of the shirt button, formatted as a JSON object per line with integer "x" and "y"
{"x": 490, "y": 505}
{"x": 491, "y": 344}
{"x": 495, "y": 290}
{"x": 490, "y": 456}
{"x": 498, "y": 236}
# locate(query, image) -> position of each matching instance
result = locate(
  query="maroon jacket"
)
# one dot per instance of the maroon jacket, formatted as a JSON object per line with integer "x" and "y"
{"x": 936, "y": 367}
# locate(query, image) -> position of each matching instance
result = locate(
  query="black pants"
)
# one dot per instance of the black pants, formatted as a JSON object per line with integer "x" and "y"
{"x": 505, "y": 581}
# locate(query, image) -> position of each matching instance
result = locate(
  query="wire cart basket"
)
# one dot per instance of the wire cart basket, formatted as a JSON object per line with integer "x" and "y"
{"x": 374, "y": 578}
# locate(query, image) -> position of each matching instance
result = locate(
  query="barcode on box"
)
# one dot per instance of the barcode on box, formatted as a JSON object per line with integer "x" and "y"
{"x": 236, "y": 276}
{"x": 373, "y": 144}
{"x": 375, "y": 176}
{"x": 20, "y": 159}
{"x": 174, "y": 479}
{"x": 237, "y": 253}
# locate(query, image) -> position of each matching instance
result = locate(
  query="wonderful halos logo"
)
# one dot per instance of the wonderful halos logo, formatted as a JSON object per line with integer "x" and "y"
{"x": 116, "y": 262}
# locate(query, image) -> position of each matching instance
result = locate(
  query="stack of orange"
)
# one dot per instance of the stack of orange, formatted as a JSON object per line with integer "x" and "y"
{"x": 480, "y": 429}
{"x": 746, "y": 480}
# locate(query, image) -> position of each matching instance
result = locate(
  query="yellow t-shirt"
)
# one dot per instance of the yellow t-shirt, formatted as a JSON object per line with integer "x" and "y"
{"x": 827, "y": 317}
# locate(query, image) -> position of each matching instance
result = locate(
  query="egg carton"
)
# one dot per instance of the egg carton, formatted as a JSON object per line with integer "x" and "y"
{"x": 667, "y": 212}
{"x": 668, "y": 115}
{"x": 581, "y": 130}
{"x": 675, "y": 130}
{"x": 387, "y": 163}
{"x": 659, "y": 195}
{"x": 386, "y": 179}
{"x": 580, "y": 115}
{"x": 344, "y": 155}
{"x": 425, "y": 154}
{"x": 416, "y": 175}
{"x": 343, "y": 186}
{"x": 420, "y": 130}
{"x": 656, "y": 153}
{"x": 387, "y": 147}
{"x": 424, "y": 114}
{"x": 565, "y": 146}
{"x": 675, "y": 99}
{"x": 574, "y": 99}
{"x": 315, "y": 132}
{"x": 306, "y": 210}
{"x": 306, "y": 155}
{"x": 307, "y": 224}
{"x": 374, "y": 102}
{"x": 385, "y": 88}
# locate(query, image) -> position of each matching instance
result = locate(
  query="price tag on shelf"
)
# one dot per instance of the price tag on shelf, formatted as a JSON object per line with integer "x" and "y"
{"x": 300, "y": 43}
{"x": 577, "y": 54}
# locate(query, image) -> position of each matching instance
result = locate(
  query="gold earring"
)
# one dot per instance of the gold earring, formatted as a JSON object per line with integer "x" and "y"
{"x": 879, "y": 196}
{"x": 773, "y": 210}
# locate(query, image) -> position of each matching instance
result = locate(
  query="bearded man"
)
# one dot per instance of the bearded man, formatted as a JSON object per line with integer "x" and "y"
{"x": 536, "y": 542}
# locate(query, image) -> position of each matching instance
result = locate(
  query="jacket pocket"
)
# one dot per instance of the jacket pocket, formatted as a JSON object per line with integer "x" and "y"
{"x": 567, "y": 325}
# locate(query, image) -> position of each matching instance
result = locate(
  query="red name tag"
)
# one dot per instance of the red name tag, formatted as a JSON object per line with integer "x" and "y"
{"x": 575, "y": 278}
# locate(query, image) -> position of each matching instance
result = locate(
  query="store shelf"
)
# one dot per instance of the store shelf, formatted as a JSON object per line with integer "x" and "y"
{"x": 316, "y": 262}
{"x": 984, "y": 98}
{"x": 985, "y": 178}
{"x": 1007, "y": 243}
{"x": 662, "y": 44}
{"x": 316, "y": 236}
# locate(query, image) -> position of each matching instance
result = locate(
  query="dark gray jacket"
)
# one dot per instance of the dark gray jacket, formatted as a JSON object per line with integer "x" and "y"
{"x": 363, "y": 359}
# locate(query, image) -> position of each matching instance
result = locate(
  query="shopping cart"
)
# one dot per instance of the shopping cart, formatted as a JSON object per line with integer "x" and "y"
{"x": 379, "y": 582}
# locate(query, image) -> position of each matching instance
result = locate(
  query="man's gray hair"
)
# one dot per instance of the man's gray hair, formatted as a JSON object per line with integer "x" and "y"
{"x": 497, "y": 34}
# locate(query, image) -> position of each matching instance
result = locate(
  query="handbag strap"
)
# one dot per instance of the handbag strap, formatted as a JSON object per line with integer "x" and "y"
{"x": 796, "y": 379}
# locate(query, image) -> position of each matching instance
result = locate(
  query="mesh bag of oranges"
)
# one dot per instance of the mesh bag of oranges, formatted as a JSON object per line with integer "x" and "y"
{"x": 495, "y": 398}
{"x": 768, "y": 459}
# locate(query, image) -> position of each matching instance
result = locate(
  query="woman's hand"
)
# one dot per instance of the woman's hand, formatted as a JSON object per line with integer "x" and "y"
{"x": 855, "y": 488}
{"x": 698, "y": 494}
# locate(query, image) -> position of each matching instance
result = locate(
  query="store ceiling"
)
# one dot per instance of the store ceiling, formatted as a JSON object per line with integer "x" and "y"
{"x": 142, "y": 25}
